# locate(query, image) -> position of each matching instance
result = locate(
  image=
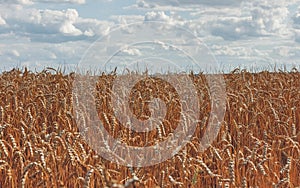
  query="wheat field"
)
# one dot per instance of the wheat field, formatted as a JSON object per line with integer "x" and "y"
{"x": 257, "y": 145}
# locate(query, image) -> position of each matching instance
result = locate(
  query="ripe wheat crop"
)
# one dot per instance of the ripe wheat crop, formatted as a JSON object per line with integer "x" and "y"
{"x": 257, "y": 145}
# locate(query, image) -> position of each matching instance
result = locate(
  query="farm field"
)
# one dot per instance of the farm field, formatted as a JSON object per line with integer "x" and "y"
{"x": 258, "y": 144}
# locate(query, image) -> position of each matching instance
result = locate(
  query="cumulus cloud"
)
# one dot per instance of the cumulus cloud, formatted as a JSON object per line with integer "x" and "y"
{"x": 21, "y": 52}
{"x": 238, "y": 20}
{"x": 30, "y": 2}
{"x": 211, "y": 3}
{"x": 157, "y": 16}
{"x": 270, "y": 19}
{"x": 132, "y": 51}
{"x": 232, "y": 28}
{"x": 93, "y": 27}
{"x": 22, "y": 2}
{"x": 46, "y": 21}
{"x": 177, "y": 3}
{"x": 51, "y": 25}
{"x": 257, "y": 20}
{"x": 160, "y": 16}
{"x": 67, "y": 26}
{"x": 143, "y": 4}
{"x": 62, "y": 1}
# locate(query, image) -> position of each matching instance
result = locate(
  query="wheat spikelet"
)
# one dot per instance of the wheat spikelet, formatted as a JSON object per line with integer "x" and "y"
{"x": 207, "y": 170}
{"x": 185, "y": 122}
{"x": 28, "y": 145}
{"x": 231, "y": 168}
{"x": 87, "y": 178}
{"x": 281, "y": 182}
{"x": 254, "y": 150}
{"x": 42, "y": 157}
{"x": 3, "y": 147}
{"x": 147, "y": 136}
{"x": 163, "y": 129}
{"x": 13, "y": 141}
{"x": 24, "y": 136}
{"x": 30, "y": 117}
{"x": 114, "y": 124}
{"x": 72, "y": 156}
{"x": 159, "y": 132}
{"x": 5, "y": 166}
{"x": 23, "y": 179}
{"x": 131, "y": 181}
{"x": 20, "y": 156}
{"x": 217, "y": 154}
{"x": 226, "y": 185}
{"x": 82, "y": 150}
{"x": 265, "y": 151}
{"x": 195, "y": 149}
{"x": 287, "y": 169}
{"x": 2, "y": 114}
{"x": 184, "y": 154}
{"x": 26, "y": 171}
{"x": 58, "y": 139}
{"x": 261, "y": 169}
{"x": 244, "y": 182}
{"x": 107, "y": 120}
{"x": 162, "y": 179}
{"x": 3, "y": 127}
{"x": 174, "y": 182}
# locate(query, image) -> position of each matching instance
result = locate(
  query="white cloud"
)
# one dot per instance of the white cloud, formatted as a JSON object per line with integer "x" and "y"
{"x": 93, "y": 27}
{"x": 143, "y": 4}
{"x": 31, "y": 2}
{"x": 234, "y": 20}
{"x": 157, "y": 16}
{"x": 22, "y": 2}
{"x": 62, "y": 1}
{"x": 51, "y": 25}
{"x": 20, "y": 52}
{"x": 178, "y": 3}
{"x": 270, "y": 19}
{"x": 210, "y": 3}
{"x": 160, "y": 16}
{"x": 132, "y": 51}
{"x": 127, "y": 19}
{"x": 67, "y": 27}
{"x": 252, "y": 21}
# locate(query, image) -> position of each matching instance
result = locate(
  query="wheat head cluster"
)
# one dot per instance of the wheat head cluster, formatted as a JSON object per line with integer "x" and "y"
{"x": 257, "y": 144}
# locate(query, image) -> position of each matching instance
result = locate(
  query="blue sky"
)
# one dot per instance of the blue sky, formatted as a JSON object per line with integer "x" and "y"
{"x": 41, "y": 33}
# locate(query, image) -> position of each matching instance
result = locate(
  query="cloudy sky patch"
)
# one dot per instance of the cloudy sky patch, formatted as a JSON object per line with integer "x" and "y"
{"x": 239, "y": 33}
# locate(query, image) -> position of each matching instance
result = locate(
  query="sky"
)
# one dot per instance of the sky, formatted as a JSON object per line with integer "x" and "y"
{"x": 257, "y": 34}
